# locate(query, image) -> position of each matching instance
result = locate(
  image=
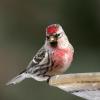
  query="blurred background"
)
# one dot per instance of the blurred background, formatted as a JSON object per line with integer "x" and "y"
{"x": 22, "y": 33}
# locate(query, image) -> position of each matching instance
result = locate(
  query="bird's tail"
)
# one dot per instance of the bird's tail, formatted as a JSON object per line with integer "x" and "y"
{"x": 17, "y": 79}
{"x": 23, "y": 75}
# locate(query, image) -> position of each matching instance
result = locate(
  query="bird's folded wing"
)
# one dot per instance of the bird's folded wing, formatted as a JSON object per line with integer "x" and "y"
{"x": 85, "y": 85}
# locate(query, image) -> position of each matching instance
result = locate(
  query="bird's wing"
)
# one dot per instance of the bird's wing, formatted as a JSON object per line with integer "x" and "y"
{"x": 39, "y": 65}
{"x": 36, "y": 69}
{"x": 40, "y": 55}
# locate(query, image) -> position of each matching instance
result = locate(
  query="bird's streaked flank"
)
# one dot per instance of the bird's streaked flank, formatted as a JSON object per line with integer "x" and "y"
{"x": 53, "y": 58}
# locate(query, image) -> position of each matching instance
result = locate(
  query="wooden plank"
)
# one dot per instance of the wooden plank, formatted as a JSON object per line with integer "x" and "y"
{"x": 86, "y": 85}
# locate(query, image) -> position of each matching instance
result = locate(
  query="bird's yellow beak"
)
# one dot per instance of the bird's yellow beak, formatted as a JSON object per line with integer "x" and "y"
{"x": 52, "y": 39}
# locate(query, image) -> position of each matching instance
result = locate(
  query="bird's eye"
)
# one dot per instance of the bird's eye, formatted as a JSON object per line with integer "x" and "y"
{"x": 57, "y": 35}
{"x": 47, "y": 37}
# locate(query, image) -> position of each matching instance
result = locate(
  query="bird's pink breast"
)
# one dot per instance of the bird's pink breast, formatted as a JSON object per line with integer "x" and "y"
{"x": 62, "y": 59}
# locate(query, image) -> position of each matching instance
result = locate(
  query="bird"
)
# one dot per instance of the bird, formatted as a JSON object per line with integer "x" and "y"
{"x": 53, "y": 58}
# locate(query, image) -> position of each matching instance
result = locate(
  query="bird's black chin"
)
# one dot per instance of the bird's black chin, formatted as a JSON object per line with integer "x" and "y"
{"x": 53, "y": 44}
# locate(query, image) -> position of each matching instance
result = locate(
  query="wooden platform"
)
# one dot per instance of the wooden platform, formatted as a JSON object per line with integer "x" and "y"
{"x": 85, "y": 85}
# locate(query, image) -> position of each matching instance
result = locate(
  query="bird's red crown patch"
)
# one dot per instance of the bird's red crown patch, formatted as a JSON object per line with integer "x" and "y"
{"x": 52, "y": 29}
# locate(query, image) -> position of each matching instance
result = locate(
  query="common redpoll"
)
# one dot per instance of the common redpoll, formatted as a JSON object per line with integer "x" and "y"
{"x": 53, "y": 58}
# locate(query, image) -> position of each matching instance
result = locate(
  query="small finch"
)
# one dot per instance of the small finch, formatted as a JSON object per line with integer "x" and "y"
{"x": 53, "y": 58}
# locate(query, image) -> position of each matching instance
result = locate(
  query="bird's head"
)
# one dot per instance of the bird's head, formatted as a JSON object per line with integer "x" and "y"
{"x": 54, "y": 34}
